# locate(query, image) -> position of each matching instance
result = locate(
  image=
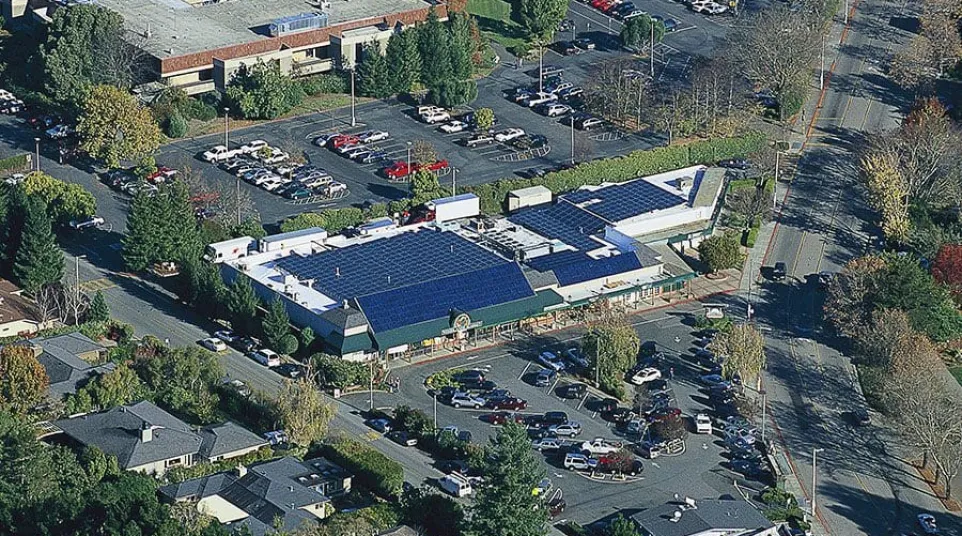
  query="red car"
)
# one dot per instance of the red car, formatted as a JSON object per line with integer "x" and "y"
{"x": 511, "y": 403}
{"x": 162, "y": 174}
{"x": 433, "y": 166}
{"x": 664, "y": 415}
{"x": 346, "y": 139}
{"x": 502, "y": 417}
{"x": 598, "y": 3}
{"x": 400, "y": 168}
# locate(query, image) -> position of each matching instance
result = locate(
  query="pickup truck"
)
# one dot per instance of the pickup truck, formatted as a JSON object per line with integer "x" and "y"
{"x": 479, "y": 139}
{"x": 600, "y": 446}
{"x": 219, "y": 153}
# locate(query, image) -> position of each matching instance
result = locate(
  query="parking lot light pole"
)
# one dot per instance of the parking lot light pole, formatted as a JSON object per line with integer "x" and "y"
{"x": 651, "y": 53}
{"x": 540, "y": 67}
{"x": 815, "y": 452}
{"x": 764, "y": 394}
{"x": 353, "y": 114}
{"x": 454, "y": 181}
{"x": 409, "y": 157}
{"x": 226, "y": 127}
{"x": 37, "y": 141}
{"x": 435, "y": 411}
{"x": 571, "y": 117}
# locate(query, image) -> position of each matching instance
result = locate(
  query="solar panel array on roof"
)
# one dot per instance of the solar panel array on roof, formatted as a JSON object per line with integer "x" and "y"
{"x": 407, "y": 259}
{"x": 590, "y": 269}
{"x": 623, "y": 201}
{"x": 437, "y": 298}
{"x": 564, "y": 222}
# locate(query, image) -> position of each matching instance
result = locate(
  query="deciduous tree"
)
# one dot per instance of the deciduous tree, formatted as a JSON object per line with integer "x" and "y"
{"x": 610, "y": 346}
{"x": 847, "y": 306}
{"x": 65, "y": 200}
{"x": 947, "y": 268}
{"x": 23, "y": 380}
{"x": 183, "y": 380}
{"x": 721, "y": 252}
{"x": 505, "y": 505}
{"x": 484, "y": 118}
{"x": 540, "y": 18}
{"x": 262, "y": 91}
{"x": 113, "y": 126}
{"x": 302, "y": 410}
{"x": 887, "y": 193}
{"x": 744, "y": 350}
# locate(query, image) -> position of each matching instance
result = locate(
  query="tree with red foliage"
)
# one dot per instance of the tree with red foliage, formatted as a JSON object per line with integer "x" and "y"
{"x": 947, "y": 268}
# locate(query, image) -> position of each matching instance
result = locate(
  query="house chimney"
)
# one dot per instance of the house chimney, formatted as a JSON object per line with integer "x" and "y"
{"x": 240, "y": 471}
{"x": 146, "y": 433}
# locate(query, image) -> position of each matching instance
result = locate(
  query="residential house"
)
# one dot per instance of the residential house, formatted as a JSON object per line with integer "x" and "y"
{"x": 284, "y": 493}
{"x": 70, "y": 360}
{"x": 18, "y": 316}
{"x": 147, "y": 439}
{"x": 706, "y": 517}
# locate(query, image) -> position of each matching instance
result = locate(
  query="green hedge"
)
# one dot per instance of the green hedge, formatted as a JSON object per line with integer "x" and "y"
{"x": 623, "y": 168}
{"x": 371, "y": 469}
{"x": 15, "y": 163}
{"x": 749, "y": 237}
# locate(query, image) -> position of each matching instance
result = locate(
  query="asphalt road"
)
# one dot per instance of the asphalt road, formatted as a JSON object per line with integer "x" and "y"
{"x": 864, "y": 485}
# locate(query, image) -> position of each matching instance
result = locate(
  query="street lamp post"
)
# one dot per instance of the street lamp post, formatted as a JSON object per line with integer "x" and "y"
{"x": 764, "y": 394}
{"x": 651, "y": 53}
{"x": 572, "y": 119}
{"x": 226, "y": 127}
{"x": 409, "y": 157}
{"x": 435, "y": 410}
{"x": 77, "y": 275}
{"x": 371, "y": 387}
{"x": 454, "y": 181}
{"x": 37, "y": 141}
{"x": 540, "y": 67}
{"x": 353, "y": 114}
{"x": 815, "y": 452}
{"x": 821, "y": 74}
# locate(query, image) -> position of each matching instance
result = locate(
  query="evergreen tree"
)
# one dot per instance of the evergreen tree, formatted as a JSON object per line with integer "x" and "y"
{"x": 99, "y": 310}
{"x": 505, "y": 505}
{"x": 39, "y": 260}
{"x": 276, "y": 323}
{"x": 140, "y": 244}
{"x": 16, "y": 201}
{"x": 461, "y": 47}
{"x": 182, "y": 231}
{"x": 373, "y": 78}
{"x": 433, "y": 45}
{"x": 403, "y": 60}
{"x": 242, "y": 305}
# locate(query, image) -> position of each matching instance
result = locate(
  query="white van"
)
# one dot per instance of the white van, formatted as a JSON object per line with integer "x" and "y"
{"x": 456, "y": 484}
{"x": 268, "y": 358}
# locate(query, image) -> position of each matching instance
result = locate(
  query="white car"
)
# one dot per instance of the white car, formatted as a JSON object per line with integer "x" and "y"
{"x": 213, "y": 344}
{"x": 599, "y": 445}
{"x": 335, "y": 187}
{"x": 253, "y": 146}
{"x": 541, "y": 98}
{"x": 547, "y": 443}
{"x": 435, "y": 116}
{"x": 579, "y": 462}
{"x": 352, "y": 151}
{"x": 466, "y": 400}
{"x": 263, "y": 178}
{"x": 551, "y": 361}
{"x": 275, "y": 157}
{"x": 272, "y": 183}
{"x": 454, "y": 126}
{"x": 703, "y": 424}
{"x": 509, "y": 134}
{"x": 219, "y": 153}
{"x": 645, "y": 375}
{"x": 372, "y": 136}
{"x": 91, "y": 221}
{"x": 555, "y": 110}
{"x": 268, "y": 358}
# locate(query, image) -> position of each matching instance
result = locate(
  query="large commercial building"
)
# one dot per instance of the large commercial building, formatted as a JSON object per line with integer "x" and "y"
{"x": 197, "y": 45}
{"x": 389, "y": 290}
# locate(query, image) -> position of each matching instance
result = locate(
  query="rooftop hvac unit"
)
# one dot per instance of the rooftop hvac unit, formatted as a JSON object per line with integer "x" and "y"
{"x": 298, "y": 23}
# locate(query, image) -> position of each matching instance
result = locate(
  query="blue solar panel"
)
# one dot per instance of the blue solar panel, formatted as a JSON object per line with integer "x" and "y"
{"x": 555, "y": 260}
{"x": 590, "y": 269}
{"x": 564, "y": 222}
{"x": 437, "y": 298}
{"x": 623, "y": 201}
{"x": 385, "y": 264}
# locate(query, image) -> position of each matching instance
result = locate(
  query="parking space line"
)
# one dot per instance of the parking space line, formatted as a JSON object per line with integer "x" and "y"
{"x": 583, "y": 400}
{"x": 525, "y": 371}
{"x": 551, "y": 389}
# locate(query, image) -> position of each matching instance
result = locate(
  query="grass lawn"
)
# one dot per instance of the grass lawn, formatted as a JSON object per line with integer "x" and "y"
{"x": 310, "y": 104}
{"x": 495, "y": 23}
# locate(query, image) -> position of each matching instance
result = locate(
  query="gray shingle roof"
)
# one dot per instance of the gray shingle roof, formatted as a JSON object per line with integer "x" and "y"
{"x": 198, "y": 488}
{"x": 220, "y": 439}
{"x": 118, "y": 432}
{"x": 58, "y": 356}
{"x": 345, "y": 318}
{"x": 709, "y": 514}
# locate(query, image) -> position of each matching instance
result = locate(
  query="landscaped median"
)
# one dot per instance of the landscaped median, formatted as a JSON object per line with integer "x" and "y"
{"x": 623, "y": 168}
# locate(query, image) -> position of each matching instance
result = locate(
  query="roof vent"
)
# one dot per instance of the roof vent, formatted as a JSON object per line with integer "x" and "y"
{"x": 346, "y": 306}
{"x": 691, "y": 503}
{"x": 337, "y": 271}
{"x": 240, "y": 471}
{"x": 676, "y": 516}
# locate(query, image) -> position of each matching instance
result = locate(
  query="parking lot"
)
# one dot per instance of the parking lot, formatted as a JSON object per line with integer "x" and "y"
{"x": 696, "y": 34}
{"x": 702, "y": 470}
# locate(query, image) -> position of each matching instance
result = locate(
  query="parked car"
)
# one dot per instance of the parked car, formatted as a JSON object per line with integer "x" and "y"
{"x": 741, "y": 164}
{"x": 381, "y": 425}
{"x": 556, "y": 110}
{"x": 713, "y": 380}
{"x": 747, "y": 468}
{"x": 89, "y": 221}
{"x": 588, "y": 123}
{"x": 266, "y": 357}
{"x": 554, "y": 417}
{"x": 402, "y": 437}
{"x": 290, "y": 370}
{"x": 579, "y": 462}
{"x": 607, "y": 405}
{"x": 252, "y": 147}
{"x": 544, "y": 377}
{"x": 573, "y": 356}
{"x": 341, "y": 140}
{"x": 503, "y": 417}
{"x": 928, "y": 523}
{"x": 540, "y": 98}
{"x": 479, "y": 139}
{"x": 703, "y": 424}
{"x": 220, "y": 152}
{"x": 567, "y": 48}
{"x": 551, "y": 361}
{"x": 371, "y": 136}
{"x": 663, "y": 415}
{"x": 456, "y": 484}
{"x": 620, "y": 415}
{"x": 645, "y": 375}
{"x": 573, "y": 390}
{"x": 548, "y": 443}
{"x": 213, "y": 344}
{"x": 584, "y": 43}
{"x": 510, "y": 403}
{"x": 226, "y": 335}
{"x": 569, "y": 429}
{"x": 779, "y": 271}
{"x": 467, "y": 400}
{"x": 509, "y": 134}
{"x": 435, "y": 116}
{"x": 453, "y": 127}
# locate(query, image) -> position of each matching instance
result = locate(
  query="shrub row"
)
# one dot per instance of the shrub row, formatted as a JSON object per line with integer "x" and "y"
{"x": 325, "y": 83}
{"x": 15, "y": 163}
{"x": 623, "y": 168}
{"x": 371, "y": 469}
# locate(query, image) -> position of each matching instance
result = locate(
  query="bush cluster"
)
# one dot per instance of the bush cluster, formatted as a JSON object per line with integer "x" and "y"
{"x": 334, "y": 82}
{"x": 371, "y": 469}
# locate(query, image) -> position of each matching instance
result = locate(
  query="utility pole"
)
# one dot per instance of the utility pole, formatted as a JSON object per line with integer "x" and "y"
{"x": 540, "y": 67}
{"x": 764, "y": 407}
{"x": 371, "y": 388}
{"x": 37, "y": 141}
{"x": 353, "y": 114}
{"x": 815, "y": 452}
{"x": 237, "y": 200}
{"x": 226, "y": 127}
{"x": 821, "y": 73}
{"x": 572, "y": 118}
{"x": 651, "y": 54}
{"x": 435, "y": 410}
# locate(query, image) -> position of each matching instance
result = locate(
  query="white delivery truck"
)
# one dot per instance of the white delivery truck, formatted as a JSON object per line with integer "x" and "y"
{"x": 456, "y": 484}
{"x": 455, "y": 208}
{"x": 229, "y": 250}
